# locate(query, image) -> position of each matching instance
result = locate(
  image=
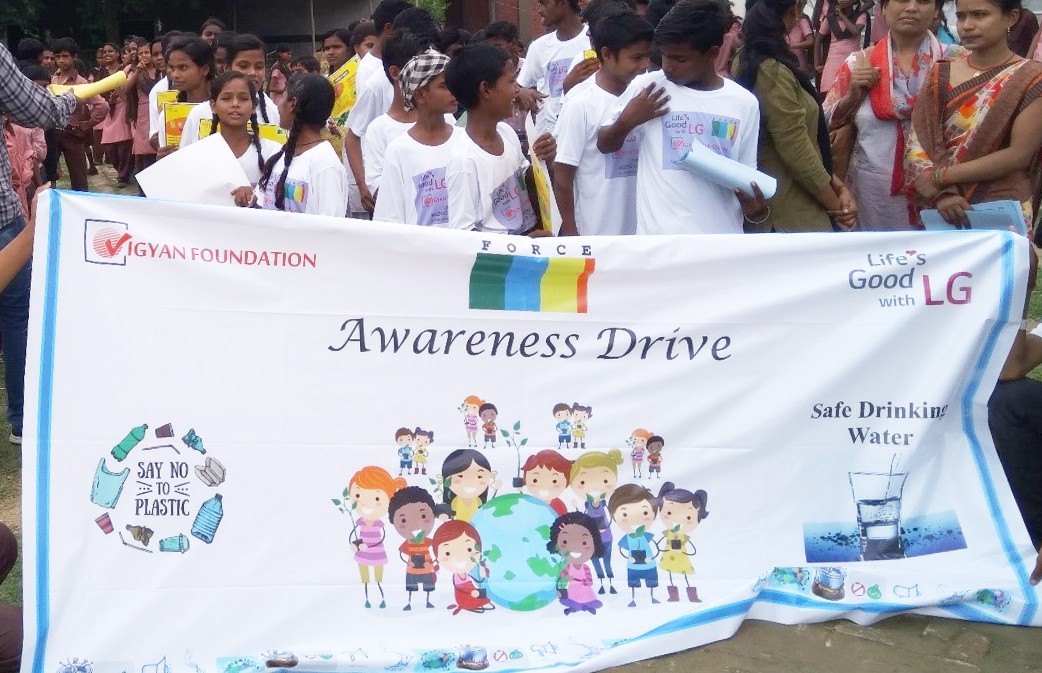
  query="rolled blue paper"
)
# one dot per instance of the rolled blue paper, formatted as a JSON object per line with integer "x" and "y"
{"x": 724, "y": 171}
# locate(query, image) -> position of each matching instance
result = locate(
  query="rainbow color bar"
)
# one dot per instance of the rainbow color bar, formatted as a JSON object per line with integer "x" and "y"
{"x": 516, "y": 283}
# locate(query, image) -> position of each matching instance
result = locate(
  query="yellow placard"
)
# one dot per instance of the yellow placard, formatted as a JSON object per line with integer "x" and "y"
{"x": 343, "y": 81}
{"x": 267, "y": 131}
{"x": 174, "y": 116}
{"x": 163, "y": 97}
{"x": 590, "y": 53}
{"x": 85, "y": 91}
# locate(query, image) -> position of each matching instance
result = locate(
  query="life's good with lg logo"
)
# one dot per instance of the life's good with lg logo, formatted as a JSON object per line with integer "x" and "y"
{"x": 895, "y": 277}
{"x": 105, "y": 242}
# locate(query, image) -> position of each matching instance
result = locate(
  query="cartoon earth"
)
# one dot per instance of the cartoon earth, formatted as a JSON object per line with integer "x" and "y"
{"x": 514, "y": 530}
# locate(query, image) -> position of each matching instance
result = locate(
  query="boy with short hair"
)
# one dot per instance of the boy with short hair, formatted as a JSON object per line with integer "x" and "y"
{"x": 596, "y": 193}
{"x": 412, "y": 188}
{"x": 685, "y": 102}
{"x": 487, "y": 178}
{"x": 549, "y": 58}
{"x": 72, "y": 140}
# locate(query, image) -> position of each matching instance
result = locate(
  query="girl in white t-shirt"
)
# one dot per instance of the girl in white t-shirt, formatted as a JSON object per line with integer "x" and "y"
{"x": 235, "y": 122}
{"x": 306, "y": 175}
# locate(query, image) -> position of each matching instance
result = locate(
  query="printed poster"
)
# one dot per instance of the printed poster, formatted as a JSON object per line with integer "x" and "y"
{"x": 257, "y": 447}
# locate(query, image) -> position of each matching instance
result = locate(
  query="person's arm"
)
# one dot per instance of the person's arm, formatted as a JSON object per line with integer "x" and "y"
{"x": 856, "y": 27}
{"x": 808, "y": 38}
{"x": 353, "y": 152}
{"x": 564, "y": 192}
{"x": 28, "y": 104}
{"x": 99, "y": 109}
{"x": 650, "y": 103}
{"x": 855, "y": 77}
{"x": 581, "y": 72}
{"x": 1024, "y": 141}
{"x": 528, "y": 97}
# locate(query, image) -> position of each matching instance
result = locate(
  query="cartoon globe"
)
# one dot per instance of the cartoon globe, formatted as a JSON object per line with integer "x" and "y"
{"x": 514, "y": 531}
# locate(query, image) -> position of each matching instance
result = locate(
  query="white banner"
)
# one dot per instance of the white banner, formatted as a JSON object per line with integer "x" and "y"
{"x": 262, "y": 441}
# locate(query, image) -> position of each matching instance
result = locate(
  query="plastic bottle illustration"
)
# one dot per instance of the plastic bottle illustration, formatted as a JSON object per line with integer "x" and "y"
{"x": 133, "y": 438}
{"x": 208, "y": 519}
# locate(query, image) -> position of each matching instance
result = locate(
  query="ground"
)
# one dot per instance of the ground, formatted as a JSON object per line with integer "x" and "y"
{"x": 907, "y": 643}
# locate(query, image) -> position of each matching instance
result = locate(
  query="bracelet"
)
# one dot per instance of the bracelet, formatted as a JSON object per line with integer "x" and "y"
{"x": 938, "y": 178}
{"x": 760, "y": 221}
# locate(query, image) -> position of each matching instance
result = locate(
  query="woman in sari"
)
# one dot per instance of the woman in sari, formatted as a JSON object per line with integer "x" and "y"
{"x": 977, "y": 124}
{"x": 875, "y": 91}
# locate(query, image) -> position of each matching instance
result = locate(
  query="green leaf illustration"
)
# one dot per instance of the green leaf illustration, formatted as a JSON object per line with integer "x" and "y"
{"x": 517, "y": 426}
{"x": 504, "y": 433}
{"x": 524, "y": 441}
{"x": 336, "y": 501}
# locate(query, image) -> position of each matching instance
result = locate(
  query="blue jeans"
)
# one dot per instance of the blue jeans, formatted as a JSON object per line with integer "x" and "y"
{"x": 14, "y": 329}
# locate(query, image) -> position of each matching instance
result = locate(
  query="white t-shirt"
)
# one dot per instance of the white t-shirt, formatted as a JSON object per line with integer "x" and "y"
{"x": 605, "y": 190}
{"x": 368, "y": 65}
{"x": 488, "y": 192}
{"x": 248, "y": 160}
{"x": 154, "y": 117}
{"x": 413, "y": 189}
{"x": 545, "y": 68}
{"x": 316, "y": 184}
{"x": 581, "y": 86}
{"x": 378, "y": 136}
{"x": 374, "y": 101}
{"x": 671, "y": 200}
{"x": 190, "y": 132}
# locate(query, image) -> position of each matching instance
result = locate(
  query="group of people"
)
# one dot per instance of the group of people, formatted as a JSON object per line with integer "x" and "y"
{"x": 410, "y": 122}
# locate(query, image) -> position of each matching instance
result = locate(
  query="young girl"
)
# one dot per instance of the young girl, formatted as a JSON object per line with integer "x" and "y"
{"x": 574, "y": 536}
{"x": 139, "y": 82}
{"x": 235, "y": 123}
{"x": 457, "y": 547}
{"x": 245, "y": 54}
{"x": 843, "y": 23}
{"x": 470, "y": 408}
{"x": 638, "y": 445}
{"x": 467, "y": 476}
{"x": 190, "y": 67}
{"x": 305, "y": 176}
{"x": 593, "y": 478}
{"x": 681, "y": 512}
{"x": 116, "y": 138}
{"x": 369, "y": 493}
{"x": 546, "y": 478}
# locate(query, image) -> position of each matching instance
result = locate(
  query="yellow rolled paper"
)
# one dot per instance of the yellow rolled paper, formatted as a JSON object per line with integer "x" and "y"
{"x": 85, "y": 91}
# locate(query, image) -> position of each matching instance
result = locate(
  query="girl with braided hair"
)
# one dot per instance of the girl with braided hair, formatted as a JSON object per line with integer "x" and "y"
{"x": 306, "y": 175}
{"x": 235, "y": 123}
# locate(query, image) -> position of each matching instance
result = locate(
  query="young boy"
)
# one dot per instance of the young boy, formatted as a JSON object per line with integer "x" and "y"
{"x": 549, "y": 58}
{"x": 73, "y": 139}
{"x": 597, "y": 193}
{"x": 486, "y": 178}
{"x": 412, "y": 188}
{"x": 686, "y": 102}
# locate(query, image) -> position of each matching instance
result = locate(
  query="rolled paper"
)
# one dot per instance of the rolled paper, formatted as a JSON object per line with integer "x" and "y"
{"x": 89, "y": 90}
{"x": 725, "y": 171}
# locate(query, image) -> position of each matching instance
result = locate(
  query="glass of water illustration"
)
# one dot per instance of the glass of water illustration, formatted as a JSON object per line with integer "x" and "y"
{"x": 877, "y": 496}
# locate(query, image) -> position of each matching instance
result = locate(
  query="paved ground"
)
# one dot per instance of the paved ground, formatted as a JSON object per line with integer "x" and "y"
{"x": 908, "y": 643}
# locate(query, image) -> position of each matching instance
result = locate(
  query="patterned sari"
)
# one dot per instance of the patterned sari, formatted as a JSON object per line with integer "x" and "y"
{"x": 953, "y": 125}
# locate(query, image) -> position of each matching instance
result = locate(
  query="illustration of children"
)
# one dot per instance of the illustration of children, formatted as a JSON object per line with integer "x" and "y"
{"x": 467, "y": 477}
{"x": 655, "y": 445}
{"x": 470, "y": 408}
{"x": 403, "y": 438}
{"x": 488, "y": 414}
{"x": 575, "y": 537}
{"x": 593, "y": 478}
{"x": 369, "y": 493}
{"x": 580, "y": 415}
{"x": 412, "y": 513}
{"x": 424, "y": 438}
{"x": 638, "y": 443}
{"x": 457, "y": 547}
{"x": 633, "y": 509}
{"x": 546, "y": 478}
{"x": 681, "y": 512}
{"x": 563, "y": 416}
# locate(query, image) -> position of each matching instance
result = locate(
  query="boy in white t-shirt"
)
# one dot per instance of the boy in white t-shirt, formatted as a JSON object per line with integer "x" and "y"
{"x": 399, "y": 49}
{"x": 549, "y": 58}
{"x": 596, "y": 193}
{"x": 412, "y": 189}
{"x": 487, "y": 179}
{"x": 687, "y": 102}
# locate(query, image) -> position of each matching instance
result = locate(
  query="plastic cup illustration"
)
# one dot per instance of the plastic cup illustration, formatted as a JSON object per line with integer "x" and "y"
{"x": 878, "y": 500}
{"x": 828, "y": 583}
{"x": 208, "y": 519}
{"x": 133, "y": 438}
{"x": 164, "y": 431}
{"x": 107, "y": 486}
{"x": 174, "y": 543}
{"x": 104, "y": 523}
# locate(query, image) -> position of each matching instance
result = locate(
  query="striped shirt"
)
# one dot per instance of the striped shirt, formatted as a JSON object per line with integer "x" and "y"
{"x": 373, "y": 537}
{"x": 29, "y": 105}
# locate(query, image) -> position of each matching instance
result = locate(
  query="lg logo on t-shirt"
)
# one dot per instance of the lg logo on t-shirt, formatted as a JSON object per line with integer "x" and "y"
{"x": 432, "y": 198}
{"x": 679, "y": 129}
{"x": 511, "y": 206}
